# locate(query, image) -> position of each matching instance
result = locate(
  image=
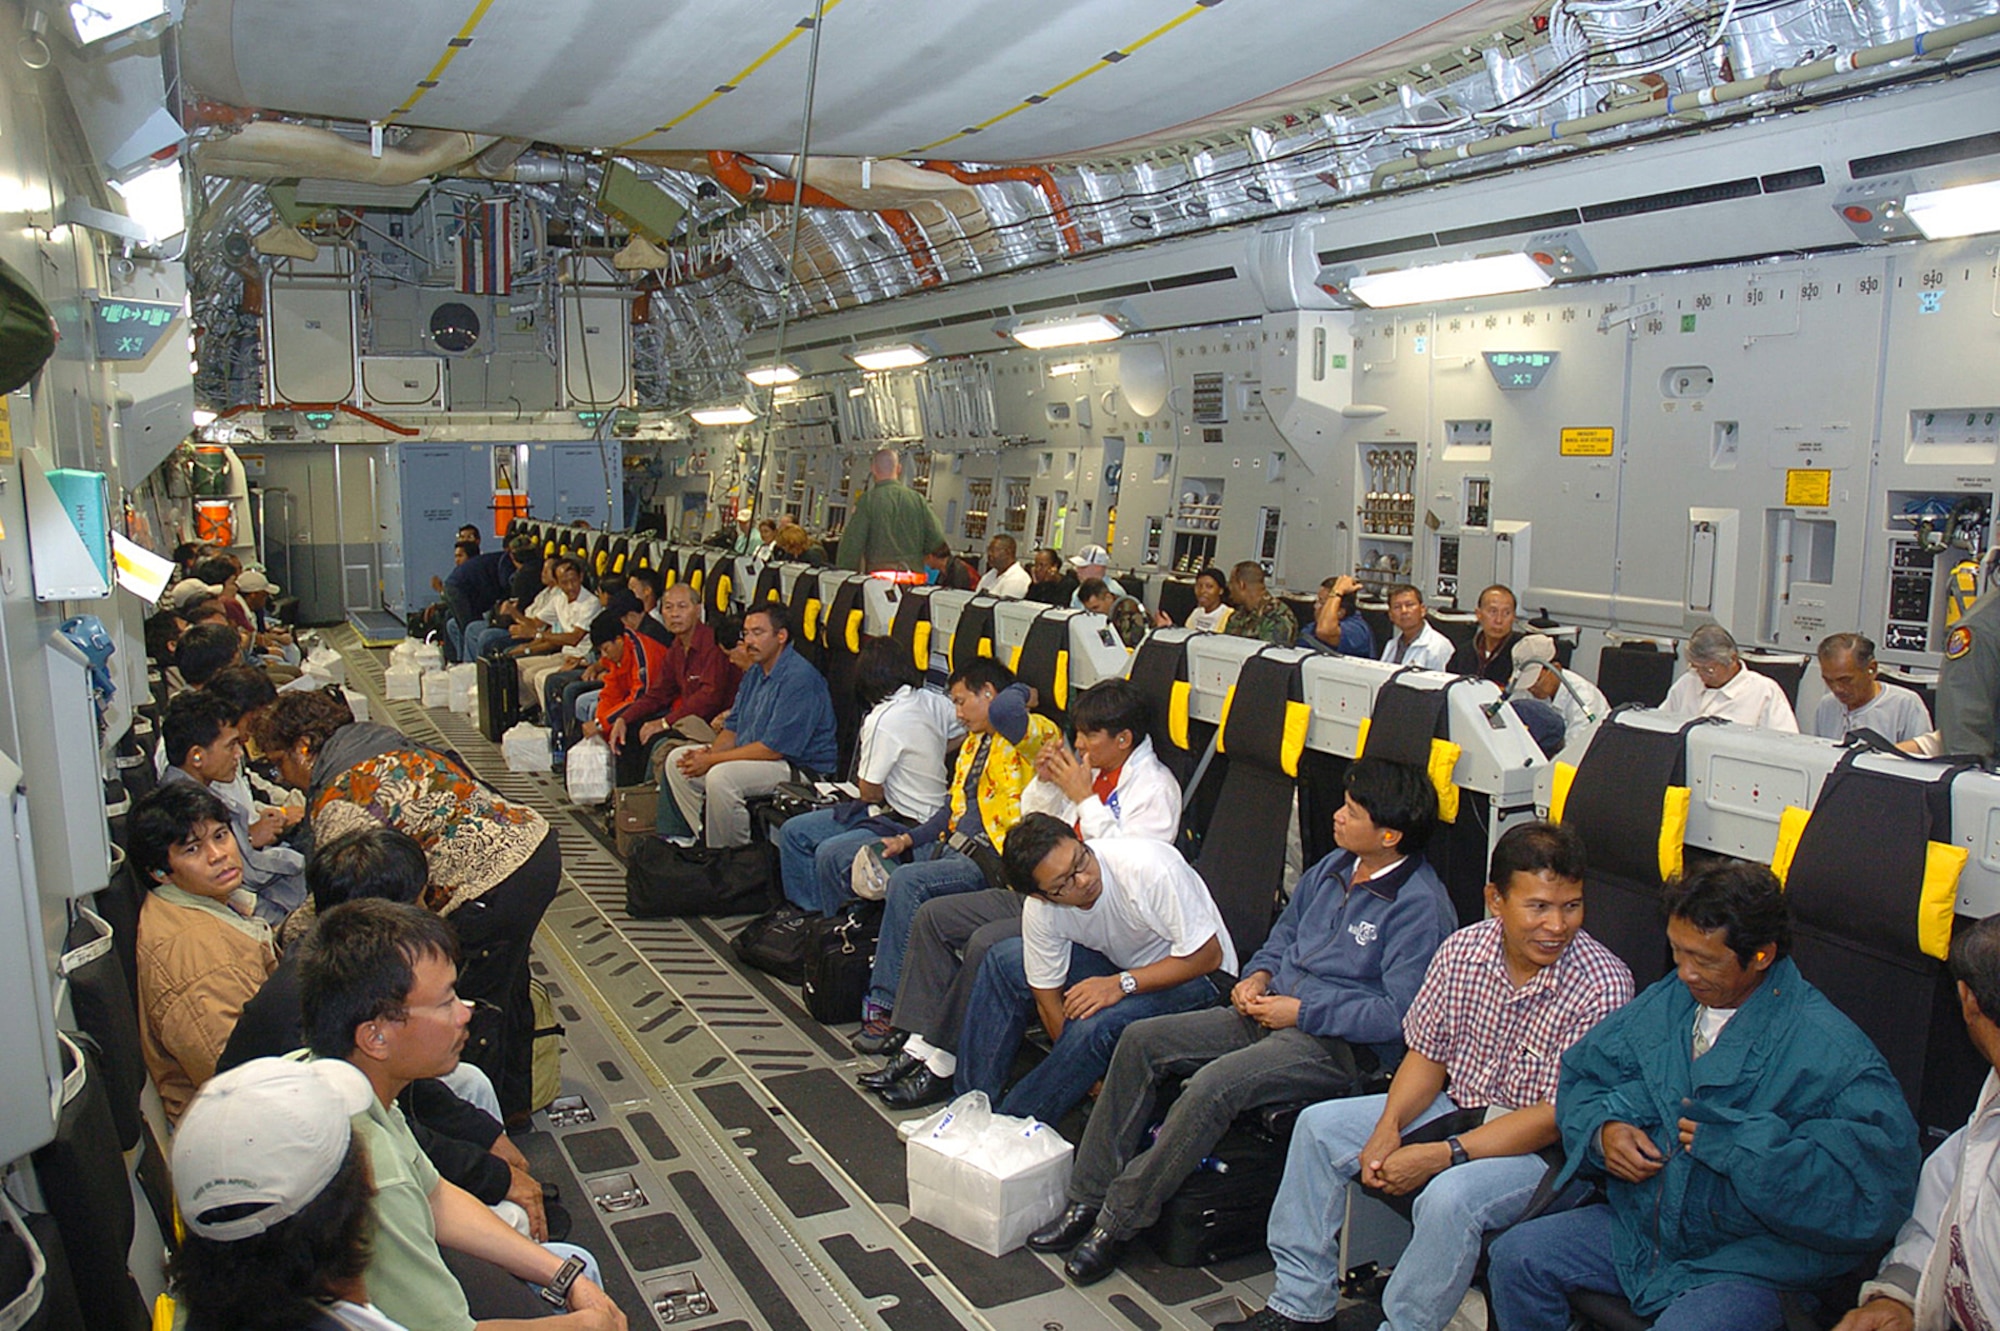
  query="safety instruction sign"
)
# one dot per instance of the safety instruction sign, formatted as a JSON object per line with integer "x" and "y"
{"x": 1808, "y": 487}
{"x": 1588, "y": 441}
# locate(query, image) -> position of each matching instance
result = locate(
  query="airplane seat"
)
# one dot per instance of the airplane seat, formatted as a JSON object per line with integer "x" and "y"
{"x": 619, "y": 553}
{"x": 599, "y": 558}
{"x": 807, "y": 640}
{"x": 105, "y": 1009}
{"x": 693, "y": 565}
{"x": 721, "y": 586}
{"x": 1628, "y": 799}
{"x": 843, "y": 660}
{"x": 1786, "y": 669}
{"x": 910, "y": 629}
{"x": 29, "y": 1239}
{"x": 1177, "y": 599}
{"x": 118, "y": 904}
{"x": 770, "y": 580}
{"x": 1873, "y": 887}
{"x": 1044, "y": 664}
{"x": 1411, "y": 725}
{"x": 973, "y": 637}
{"x": 86, "y": 1189}
{"x": 1160, "y": 672}
{"x": 1263, "y": 731}
{"x": 667, "y": 559}
{"x": 1636, "y": 672}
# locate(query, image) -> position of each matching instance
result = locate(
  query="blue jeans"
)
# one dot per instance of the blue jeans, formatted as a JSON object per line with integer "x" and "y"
{"x": 816, "y": 854}
{"x": 936, "y": 872}
{"x": 1532, "y": 1268}
{"x": 1451, "y": 1214}
{"x": 454, "y": 636}
{"x": 997, "y": 1015}
{"x": 484, "y": 639}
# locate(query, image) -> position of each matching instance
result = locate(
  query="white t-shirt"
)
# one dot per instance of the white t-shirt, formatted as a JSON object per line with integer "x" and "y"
{"x": 1750, "y": 699}
{"x": 1208, "y": 621}
{"x": 362, "y": 1317}
{"x": 1012, "y": 583}
{"x": 1146, "y": 802}
{"x": 1430, "y": 651}
{"x": 904, "y": 740}
{"x": 1579, "y": 702}
{"x": 1154, "y": 905}
{"x": 1895, "y": 713}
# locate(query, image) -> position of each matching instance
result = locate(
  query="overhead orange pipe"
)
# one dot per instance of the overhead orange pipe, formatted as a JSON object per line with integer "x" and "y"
{"x": 1037, "y": 176}
{"x": 379, "y": 422}
{"x": 732, "y": 171}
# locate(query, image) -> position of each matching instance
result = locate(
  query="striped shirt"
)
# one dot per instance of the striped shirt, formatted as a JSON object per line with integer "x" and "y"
{"x": 1502, "y": 1045}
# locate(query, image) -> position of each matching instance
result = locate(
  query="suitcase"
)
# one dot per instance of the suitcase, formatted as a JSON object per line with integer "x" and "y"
{"x": 1216, "y": 1216}
{"x": 840, "y": 952}
{"x": 499, "y": 696}
{"x": 775, "y": 943}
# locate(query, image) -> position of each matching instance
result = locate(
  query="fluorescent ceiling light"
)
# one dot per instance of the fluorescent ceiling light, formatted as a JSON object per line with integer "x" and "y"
{"x": 769, "y": 376}
{"x": 1965, "y": 210}
{"x": 1493, "y": 275}
{"x": 153, "y": 201}
{"x": 731, "y": 415}
{"x": 94, "y": 20}
{"x": 1073, "y": 330}
{"x": 896, "y": 356}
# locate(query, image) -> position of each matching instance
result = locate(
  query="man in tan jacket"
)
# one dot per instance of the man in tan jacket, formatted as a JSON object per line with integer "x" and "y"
{"x": 200, "y": 959}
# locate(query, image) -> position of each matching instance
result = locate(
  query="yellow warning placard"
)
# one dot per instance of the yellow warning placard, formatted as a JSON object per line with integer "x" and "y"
{"x": 1588, "y": 441}
{"x": 6, "y": 432}
{"x": 1808, "y": 487}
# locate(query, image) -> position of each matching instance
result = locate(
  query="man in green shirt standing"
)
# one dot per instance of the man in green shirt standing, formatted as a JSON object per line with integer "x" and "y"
{"x": 1258, "y": 614}
{"x": 378, "y": 989}
{"x": 893, "y": 526}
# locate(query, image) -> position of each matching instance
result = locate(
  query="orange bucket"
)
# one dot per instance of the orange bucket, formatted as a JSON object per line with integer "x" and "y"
{"x": 215, "y": 521}
{"x": 506, "y": 507}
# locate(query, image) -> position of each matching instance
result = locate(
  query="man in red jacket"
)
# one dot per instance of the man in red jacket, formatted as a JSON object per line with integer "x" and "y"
{"x": 633, "y": 668}
{"x": 698, "y": 681}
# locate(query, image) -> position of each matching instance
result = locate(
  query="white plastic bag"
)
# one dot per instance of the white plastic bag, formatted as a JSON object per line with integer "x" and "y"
{"x": 357, "y": 703}
{"x": 588, "y": 772}
{"x": 327, "y": 664}
{"x": 984, "y": 1178}
{"x": 406, "y": 650}
{"x": 428, "y": 655}
{"x": 403, "y": 680}
{"x": 464, "y": 678}
{"x": 526, "y": 747}
{"x": 436, "y": 689}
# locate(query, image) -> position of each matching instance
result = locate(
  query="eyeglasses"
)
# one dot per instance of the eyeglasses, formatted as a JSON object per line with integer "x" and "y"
{"x": 1061, "y": 886}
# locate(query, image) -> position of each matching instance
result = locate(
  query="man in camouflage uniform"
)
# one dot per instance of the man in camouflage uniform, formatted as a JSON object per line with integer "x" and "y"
{"x": 1968, "y": 691}
{"x": 1258, "y": 614}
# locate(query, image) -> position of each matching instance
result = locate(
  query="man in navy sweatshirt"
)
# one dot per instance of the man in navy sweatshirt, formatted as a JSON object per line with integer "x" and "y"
{"x": 1319, "y": 1007}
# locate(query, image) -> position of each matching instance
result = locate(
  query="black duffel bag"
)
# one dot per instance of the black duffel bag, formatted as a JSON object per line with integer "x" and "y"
{"x": 664, "y": 879}
{"x": 775, "y": 942}
{"x": 839, "y": 954}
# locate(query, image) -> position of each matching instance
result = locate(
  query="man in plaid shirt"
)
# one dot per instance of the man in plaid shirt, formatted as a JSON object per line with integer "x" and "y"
{"x": 1500, "y": 1003}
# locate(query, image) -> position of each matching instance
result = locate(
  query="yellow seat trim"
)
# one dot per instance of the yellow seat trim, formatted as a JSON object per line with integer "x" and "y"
{"x": 1014, "y": 658}
{"x": 986, "y": 648}
{"x": 1062, "y": 680}
{"x": 694, "y": 580}
{"x": 1938, "y": 902}
{"x": 1298, "y": 718}
{"x": 854, "y": 631}
{"x": 920, "y": 644}
{"x": 812, "y": 619}
{"x": 1177, "y": 712}
{"x": 672, "y": 576}
{"x": 1444, "y": 760}
{"x": 722, "y": 593}
{"x": 1361, "y": 738}
{"x": 1222, "y": 725}
{"x": 1791, "y": 826}
{"x": 1673, "y": 830}
{"x": 772, "y": 595}
{"x": 1562, "y": 778}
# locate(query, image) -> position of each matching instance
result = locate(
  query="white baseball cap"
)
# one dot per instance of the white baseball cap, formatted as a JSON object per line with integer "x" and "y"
{"x": 253, "y": 580}
{"x": 188, "y": 591}
{"x": 271, "y": 1134}
{"x": 1532, "y": 654}
{"x": 1089, "y": 556}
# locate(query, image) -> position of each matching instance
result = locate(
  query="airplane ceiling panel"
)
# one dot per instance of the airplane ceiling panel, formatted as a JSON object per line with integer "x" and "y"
{"x": 896, "y": 77}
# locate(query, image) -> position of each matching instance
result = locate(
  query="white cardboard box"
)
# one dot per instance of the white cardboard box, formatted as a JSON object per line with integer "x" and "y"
{"x": 967, "y": 1201}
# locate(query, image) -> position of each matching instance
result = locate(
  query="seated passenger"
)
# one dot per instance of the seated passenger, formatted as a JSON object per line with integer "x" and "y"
{"x": 1319, "y": 1007}
{"x": 1127, "y": 616}
{"x": 1338, "y": 625}
{"x": 494, "y": 866}
{"x": 956, "y": 849}
{"x": 206, "y": 648}
{"x": 378, "y": 991}
{"x": 1211, "y": 604}
{"x": 1750, "y": 1138}
{"x": 202, "y": 749}
{"x": 200, "y": 958}
{"x": 949, "y": 572}
{"x": 1857, "y": 700}
{"x": 1944, "y": 1271}
{"x": 1500, "y": 1002}
{"x": 456, "y": 1119}
{"x": 1489, "y": 653}
{"x": 1112, "y": 931}
{"x": 1416, "y": 641}
{"x": 1005, "y": 574}
{"x": 554, "y": 640}
{"x": 278, "y": 1201}
{"x": 1717, "y": 683}
{"x": 1258, "y": 614}
{"x": 793, "y": 542}
{"x": 782, "y": 721}
{"x": 1537, "y": 675}
{"x": 1046, "y": 581}
{"x": 1093, "y": 561}
{"x": 906, "y": 731}
{"x": 1112, "y": 785}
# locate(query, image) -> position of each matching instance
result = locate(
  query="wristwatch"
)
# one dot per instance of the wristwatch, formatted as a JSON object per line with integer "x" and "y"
{"x": 1128, "y": 983}
{"x": 1458, "y": 1155}
{"x": 556, "y": 1292}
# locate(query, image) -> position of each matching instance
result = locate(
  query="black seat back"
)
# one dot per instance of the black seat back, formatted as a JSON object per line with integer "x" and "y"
{"x": 1243, "y": 854}
{"x": 973, "y": 636}
{"x": 1402, "y": 726}
{"x": 1044, "y": 666}
{"x": 910, "y": 629}
{"x": 85, "y": 1186}
{"x": 1635, "y": 672}
{"x": 105, "y": 1011}
{"x": 1159, "y": 670}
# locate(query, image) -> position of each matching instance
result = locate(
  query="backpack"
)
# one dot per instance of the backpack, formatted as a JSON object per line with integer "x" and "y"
{"x": 775, "y": 943}
{"x": 839, "y": 954}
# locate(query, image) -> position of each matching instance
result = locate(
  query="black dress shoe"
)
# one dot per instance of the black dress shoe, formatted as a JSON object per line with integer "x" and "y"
{"x": 1094, "y": 1258}
{"x": 878, "y": 1037}
{"x": 920, "y": 1090}
{"x": 1066, "y": 1230}
{"x": 897, "y": 1068}
{"x": 1270, "y": 1319}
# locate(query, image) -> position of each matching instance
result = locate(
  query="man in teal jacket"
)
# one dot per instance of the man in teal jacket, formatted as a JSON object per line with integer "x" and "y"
{"x": 1750, "y": 1138}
